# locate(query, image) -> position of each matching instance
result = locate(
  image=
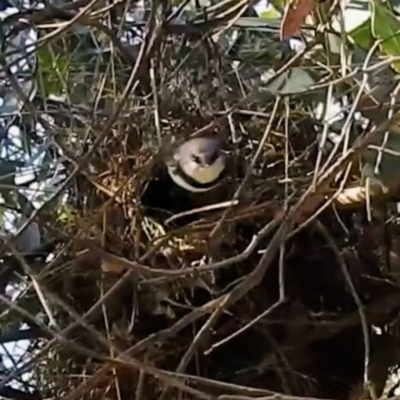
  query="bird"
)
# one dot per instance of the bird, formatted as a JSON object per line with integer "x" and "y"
{"x": 192, "y": 174}
{"x": 198, "y": 165}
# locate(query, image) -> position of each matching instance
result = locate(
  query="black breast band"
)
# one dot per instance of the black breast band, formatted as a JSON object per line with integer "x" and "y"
{"x": 193, "y": 183}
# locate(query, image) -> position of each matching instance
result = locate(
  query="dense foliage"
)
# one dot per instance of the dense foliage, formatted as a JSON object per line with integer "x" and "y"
{"x": 114, "y": 284}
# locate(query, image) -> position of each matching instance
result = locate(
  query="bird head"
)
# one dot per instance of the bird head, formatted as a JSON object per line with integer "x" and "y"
{"x": 198, "y": 164}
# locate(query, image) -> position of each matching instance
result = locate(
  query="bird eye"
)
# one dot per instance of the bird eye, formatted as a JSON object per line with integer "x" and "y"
{"x": 196, "y": 159}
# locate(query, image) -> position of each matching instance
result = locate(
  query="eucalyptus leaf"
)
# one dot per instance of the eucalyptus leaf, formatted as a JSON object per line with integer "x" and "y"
{"x": 293, "y": 81}
{"x": 333, "y": 41}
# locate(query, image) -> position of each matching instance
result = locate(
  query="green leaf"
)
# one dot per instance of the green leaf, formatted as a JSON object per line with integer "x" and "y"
{"x": 386, "y": 27}
{"x": 271, "y": 13}
{"x": 53, "y": 71}
{"x": 362, "y": 35}
{"x": 278, "y": 4}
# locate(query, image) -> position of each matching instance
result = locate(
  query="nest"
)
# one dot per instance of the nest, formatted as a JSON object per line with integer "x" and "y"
{"x": 281, "y": 292}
